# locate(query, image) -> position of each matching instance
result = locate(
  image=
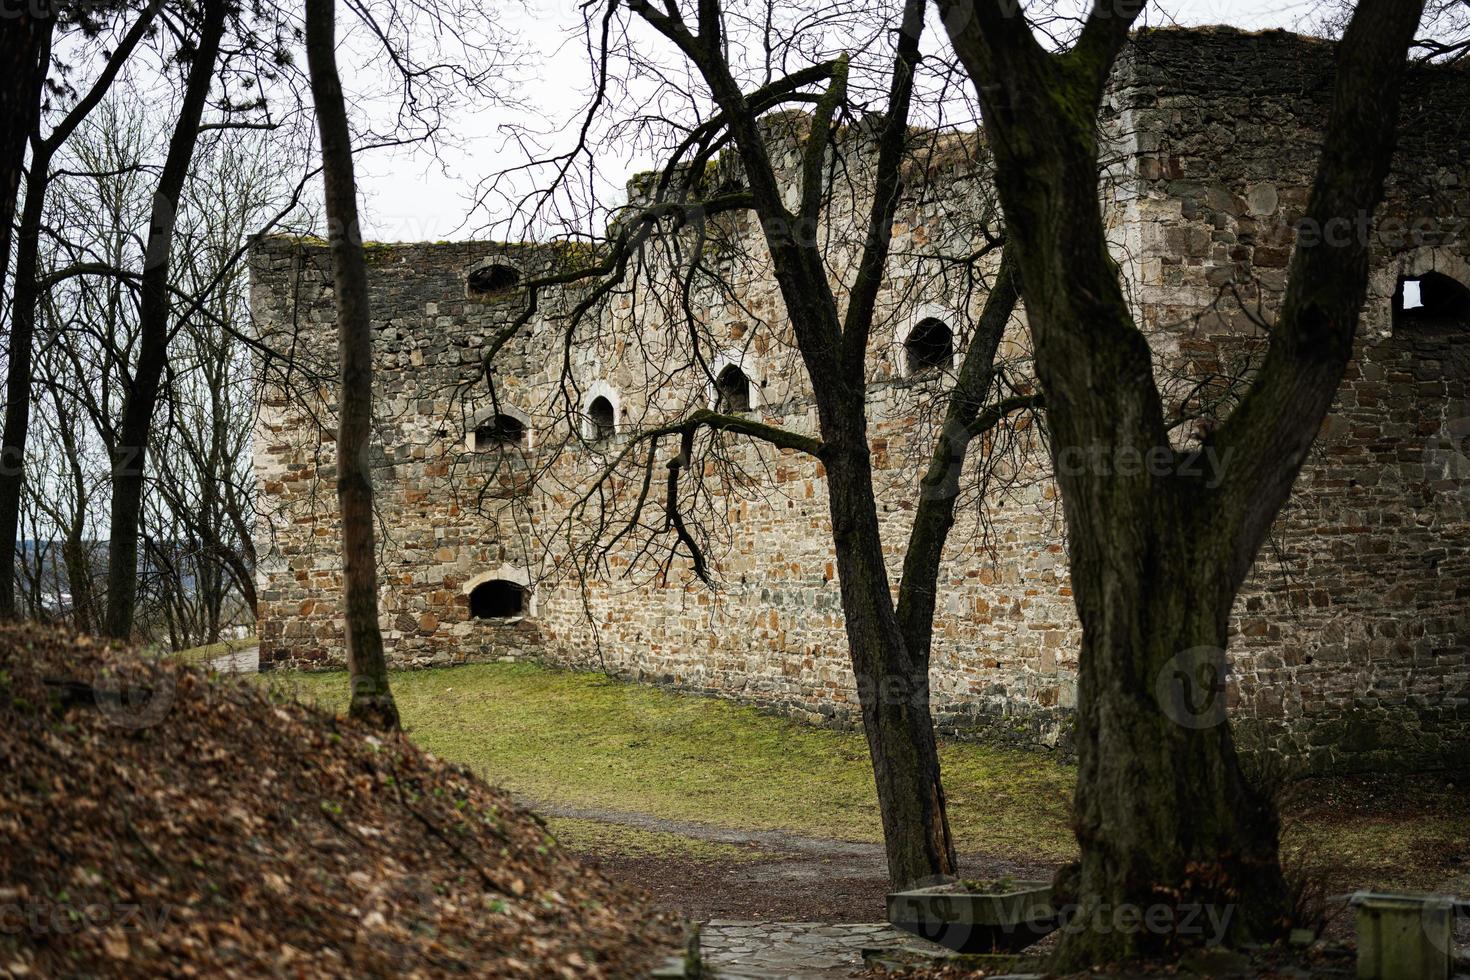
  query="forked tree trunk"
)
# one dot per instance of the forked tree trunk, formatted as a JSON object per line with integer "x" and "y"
{"x": 893, "y": 683}
{"x": 372, "y": 701}
{"x": 1166, "y": 821}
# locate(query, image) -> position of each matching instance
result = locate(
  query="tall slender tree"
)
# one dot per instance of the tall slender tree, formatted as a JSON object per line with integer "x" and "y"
{"x": 372, "y": 700}
{"x": 129, "y": 452}
{"x": 1163, "y": 812}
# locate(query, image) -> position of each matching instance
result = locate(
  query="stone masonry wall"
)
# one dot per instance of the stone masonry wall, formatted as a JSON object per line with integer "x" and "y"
{"x": 1350, "y": 646}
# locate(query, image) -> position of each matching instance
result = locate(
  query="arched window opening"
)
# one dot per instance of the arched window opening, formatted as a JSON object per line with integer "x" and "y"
{"x": 929, "y": 347}
{"x": 732, "y": 391}
{"x": 602, "y": 421}
{"x": 500, "y": 430}
{"x": 1430, "y": 297}
{"x": 490, "y": 281}
{"x": 497, "y": 599}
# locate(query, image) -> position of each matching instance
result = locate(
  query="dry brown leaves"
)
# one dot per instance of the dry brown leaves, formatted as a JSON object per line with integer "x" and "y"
{"x": 159, "y": 821}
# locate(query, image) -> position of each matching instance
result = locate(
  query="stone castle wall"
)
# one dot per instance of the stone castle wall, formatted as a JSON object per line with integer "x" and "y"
{"x": 1350, "y": 646}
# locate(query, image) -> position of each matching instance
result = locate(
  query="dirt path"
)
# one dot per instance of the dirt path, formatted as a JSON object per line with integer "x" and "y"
{"x": 787, "y": 877}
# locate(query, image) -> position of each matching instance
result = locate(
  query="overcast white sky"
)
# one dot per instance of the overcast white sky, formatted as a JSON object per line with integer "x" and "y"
{"x": 411, "y": 196}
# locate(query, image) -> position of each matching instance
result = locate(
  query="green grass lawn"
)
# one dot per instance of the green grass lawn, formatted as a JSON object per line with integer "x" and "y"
{"x": 584, "y": 739}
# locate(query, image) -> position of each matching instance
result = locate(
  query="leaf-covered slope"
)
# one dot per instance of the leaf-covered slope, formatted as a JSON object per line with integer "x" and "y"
{"x": 157, "y": 820}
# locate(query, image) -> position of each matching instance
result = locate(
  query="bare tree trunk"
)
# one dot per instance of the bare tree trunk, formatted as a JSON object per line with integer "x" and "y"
{"x": 893, "y": 680}
{"x": 1164, "y": 815}
{"x": 129, "y": 455}
{"x": 26, "y": 55}
{"x": 23, "y": 309}
{"x": 893, "y": 684}
{"x": 372, "y": 700}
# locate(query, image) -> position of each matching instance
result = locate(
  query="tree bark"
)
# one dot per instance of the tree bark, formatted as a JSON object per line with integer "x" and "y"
{"x": 25, "y": 50}
{"x": 1163, "y": 814}
{"x": 18, "y": 370}
{"x": 372, "y": 700}
{"x": 129, "y": 453}
{"x": 25, "y": 54}
{"x": 892, "y": 684}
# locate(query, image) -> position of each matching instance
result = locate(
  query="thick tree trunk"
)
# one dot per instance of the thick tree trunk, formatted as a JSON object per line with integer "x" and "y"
{"x": 129, "y": 454}
{"x": 372, "y": 701}
{"x": 893, "y": 685}
{"x": 1177, "y": 847}
{"x": 26, "y": 53}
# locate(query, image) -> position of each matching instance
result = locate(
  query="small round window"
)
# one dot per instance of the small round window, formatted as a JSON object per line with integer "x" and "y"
{"x": 930, "y": 347}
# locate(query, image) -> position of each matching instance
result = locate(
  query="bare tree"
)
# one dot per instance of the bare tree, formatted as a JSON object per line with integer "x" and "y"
{"x": 1163, "y": 812}
{"x": 130, "y": 451}
{"x": 676, "y": 249}
{"x": 27, "y": 288}
{"x": 196, "y": 549}
{"x": 1443, "y": 36}
{"x": 372, "y": 700}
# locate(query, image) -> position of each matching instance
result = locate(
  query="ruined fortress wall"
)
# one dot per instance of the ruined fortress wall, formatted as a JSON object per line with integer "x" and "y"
{"x": 1352, "y": 639}
{"x": 1349, "y": 645}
